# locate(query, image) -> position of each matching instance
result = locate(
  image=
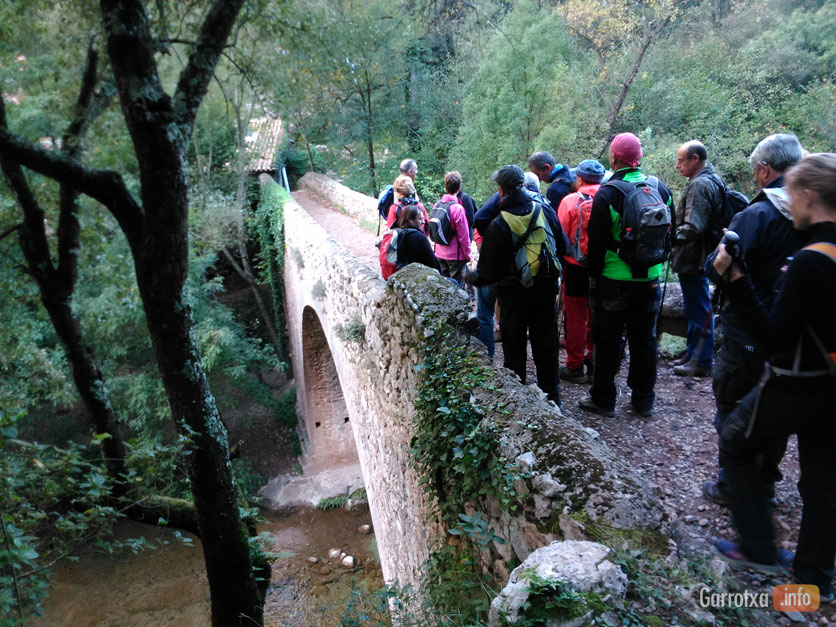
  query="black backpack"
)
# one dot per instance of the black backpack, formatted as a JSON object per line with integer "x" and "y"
{"x": 393, "y": 251}
{"x": 733, "y": 203}
{"x": 440, "y": 229}
{"x": 403, "y": 202}
{"x": 645, "y": 225}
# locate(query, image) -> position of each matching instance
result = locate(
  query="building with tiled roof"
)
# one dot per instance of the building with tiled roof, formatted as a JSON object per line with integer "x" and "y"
{"x": 263, "y": 142}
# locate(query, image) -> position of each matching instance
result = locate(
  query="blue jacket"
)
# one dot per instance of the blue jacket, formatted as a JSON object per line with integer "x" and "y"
{"x": 487, "y": 212}
{"x": 559, "y": 181}
{"x": 767, "y": 238}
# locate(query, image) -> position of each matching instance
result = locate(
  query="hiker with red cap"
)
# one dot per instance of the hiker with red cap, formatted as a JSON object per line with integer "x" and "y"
{"x": 629, "y": 240}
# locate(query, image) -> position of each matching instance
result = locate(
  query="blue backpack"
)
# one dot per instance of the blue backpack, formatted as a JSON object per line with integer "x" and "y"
{"x": 385, "y": 200}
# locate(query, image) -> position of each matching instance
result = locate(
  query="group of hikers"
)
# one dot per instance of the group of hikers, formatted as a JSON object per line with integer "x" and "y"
{"x": 600, "y": 239}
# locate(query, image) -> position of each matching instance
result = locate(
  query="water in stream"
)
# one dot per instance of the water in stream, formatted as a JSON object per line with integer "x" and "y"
{"x": 167, "y": 587}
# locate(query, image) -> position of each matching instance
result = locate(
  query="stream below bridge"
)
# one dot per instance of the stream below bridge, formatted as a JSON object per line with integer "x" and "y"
{"x": 167, "y": 586}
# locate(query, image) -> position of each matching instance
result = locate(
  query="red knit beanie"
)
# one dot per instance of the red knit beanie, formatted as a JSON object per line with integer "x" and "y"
{"x": 627, "y": 148}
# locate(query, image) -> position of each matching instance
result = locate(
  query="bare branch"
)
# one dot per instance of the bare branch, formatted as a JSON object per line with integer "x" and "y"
{"x": 33, "y": 236}
{"x": 195, "y": 77}
{"x": 10, "y": 230}
{"x": 68, "y": 226}
{"x": 105, "y": 186}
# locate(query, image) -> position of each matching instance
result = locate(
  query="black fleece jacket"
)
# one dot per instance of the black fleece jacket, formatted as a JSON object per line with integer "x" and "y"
{"x": 496, "y": 259}
{"x": 806, "y": 295}
{"x": 414, "y": 247}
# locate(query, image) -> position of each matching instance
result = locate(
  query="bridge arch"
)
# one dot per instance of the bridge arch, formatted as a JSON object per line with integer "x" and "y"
{"x": 326, "y": 417}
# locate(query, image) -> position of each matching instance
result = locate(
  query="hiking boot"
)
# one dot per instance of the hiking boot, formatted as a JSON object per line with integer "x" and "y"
{"x": 690, "y": 369}
{"x": 644, "y": 412}
{"x": 680, "y": 361}
{"x": 730, "y": 552}
{"x": 573, "y": 375}
{"x": 589, "y": 405}
{"x": 715, "y": 493}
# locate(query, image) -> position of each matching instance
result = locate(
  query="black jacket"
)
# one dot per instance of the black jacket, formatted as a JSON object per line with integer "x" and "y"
{"x": 496, "y": 259}
{"x": 559, "y": 184}
{"x": 767, "y": 238}
{"x": 414, "y": 247}
{"x": 600, "y": 231}
{"x": 805, "y": 295}
{"x": 701, "y": 200}
{"x": 469, "y": 208}
{"x": 490, "y": 210}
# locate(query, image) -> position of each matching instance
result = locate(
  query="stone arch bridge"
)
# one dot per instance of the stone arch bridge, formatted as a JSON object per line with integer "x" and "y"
{"x": 356, "y": 343}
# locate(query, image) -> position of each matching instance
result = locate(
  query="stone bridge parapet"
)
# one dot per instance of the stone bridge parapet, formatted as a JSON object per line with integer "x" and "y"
{"x": 358, "y": 348}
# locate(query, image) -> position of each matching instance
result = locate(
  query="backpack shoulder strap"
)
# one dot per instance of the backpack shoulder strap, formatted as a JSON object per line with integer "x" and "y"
{"x": 825, "y": 248}
{"x": 828, "y": 250}
{"x": 623, "y": 186}
{"x": 532, "y": 226}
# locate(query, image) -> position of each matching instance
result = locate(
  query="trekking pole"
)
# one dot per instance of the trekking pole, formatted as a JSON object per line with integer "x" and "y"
{"x": 664, "y": 289}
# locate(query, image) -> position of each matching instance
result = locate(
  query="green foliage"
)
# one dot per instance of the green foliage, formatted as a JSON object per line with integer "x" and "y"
{"x": 352, "y": 331}
{"x": 332, "y": 502}
{"x": 318, "y": 290}
{"x": 526, "y": 95}
{"x": 458, "y": 461}
{"x": 551, "y": 600}
{"x": 343, "y": 80}
{"x": 298, "y": 162}
{"x": 247, "y": 480}
{"x": 267, "y": 228}
{"x": 458, "y": 593}
{"x": 55, "y": 503}
{"x": 33, "y": 366}
{"x": 455, "y": 453}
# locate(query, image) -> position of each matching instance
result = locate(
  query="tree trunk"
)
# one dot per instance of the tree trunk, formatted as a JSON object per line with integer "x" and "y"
{"x": 160, "y": 127}
{"x": 367, "y": 105}
{"x": 56, "y": 285}
{"x": 612, "y": 119}
{"x": 248, "y": 277}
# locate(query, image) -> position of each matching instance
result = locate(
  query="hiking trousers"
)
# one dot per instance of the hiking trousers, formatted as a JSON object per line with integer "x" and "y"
{"x": 485, "y": 302}
{"x": 578, "y": 340}
{"x": 737, "y": 369}
{"x": 619, "y": 306}
{"x": 532, "y": 312}
{"x": 695, "y": 297}
{"x": 787, "y": 405}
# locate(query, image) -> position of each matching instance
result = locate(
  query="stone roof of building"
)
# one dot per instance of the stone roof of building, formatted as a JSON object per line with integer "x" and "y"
{"x": 263, "y": 143}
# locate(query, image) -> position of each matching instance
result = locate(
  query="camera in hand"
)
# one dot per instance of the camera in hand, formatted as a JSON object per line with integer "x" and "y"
{"x": 732, "y": 242}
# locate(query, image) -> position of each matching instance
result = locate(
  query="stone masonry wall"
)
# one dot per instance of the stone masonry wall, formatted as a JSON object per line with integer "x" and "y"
{"x": 357, "y": 205}
{"x": 567, "y": 471}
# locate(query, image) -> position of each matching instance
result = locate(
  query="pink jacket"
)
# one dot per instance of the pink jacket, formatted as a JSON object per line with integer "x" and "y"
{"x": 459, "y": 248}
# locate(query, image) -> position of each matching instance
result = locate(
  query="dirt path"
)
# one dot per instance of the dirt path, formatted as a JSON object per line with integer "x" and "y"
{"x": 342, "y": 228}
{"x": 674, "y": 451}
